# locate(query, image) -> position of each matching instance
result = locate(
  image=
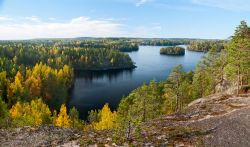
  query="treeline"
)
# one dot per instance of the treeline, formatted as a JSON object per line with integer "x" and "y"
{"x": 31, "y": 53}
{"x": 116, "y": 44}
{"x": 204, "y": 46}
{"x": 173, "y": 50}
{"x": 163, "y": 42}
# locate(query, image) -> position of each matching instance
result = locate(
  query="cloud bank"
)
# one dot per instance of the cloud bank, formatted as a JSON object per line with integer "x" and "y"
{"x": 34, "y": 27}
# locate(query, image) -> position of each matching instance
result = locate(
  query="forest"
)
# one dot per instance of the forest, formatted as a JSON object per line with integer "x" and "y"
{"x": 123, "y": 45}
{"x": 163, "y": 42}
{"x": 56, "y": 55}
{"x": 205, "y": 45}
{"x": 173, "y": 50}
{"x": 35, "y": 77}
{"x": 31, "y": 70}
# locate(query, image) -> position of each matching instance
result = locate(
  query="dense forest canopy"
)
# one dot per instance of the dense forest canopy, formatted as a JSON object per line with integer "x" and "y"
{"x": 173, "y": 50}
{"x": 163, "y": 42}
{"x": 56, "y": 55}
{"x": 44, "y": 68}
{"x": 205, "y": 45}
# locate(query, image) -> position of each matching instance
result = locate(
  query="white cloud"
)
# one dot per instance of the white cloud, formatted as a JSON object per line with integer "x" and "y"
{"x": 77, "y": 27}
{"x": 3, "y": 18}
{"x": 33, "y": 19}
{"x": 235, "y": 5}
{"x": 141, "y": 2}
{"x": 52, "y": 18}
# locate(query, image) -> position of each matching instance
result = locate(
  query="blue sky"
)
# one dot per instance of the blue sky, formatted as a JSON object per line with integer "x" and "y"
{"x": 215, "y": 19}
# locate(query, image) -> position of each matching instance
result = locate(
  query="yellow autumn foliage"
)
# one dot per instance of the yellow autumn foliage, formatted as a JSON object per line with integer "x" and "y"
{"x": 63, "y": 119}
{"x": 107, "y": 119}
{"x": 33, "y": 113}
{"x": 16, "y": 110}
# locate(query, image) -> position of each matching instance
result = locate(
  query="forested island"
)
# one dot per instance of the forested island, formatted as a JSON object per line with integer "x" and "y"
{"x": 35, "y": 78}
{"x": 173, "y": 50}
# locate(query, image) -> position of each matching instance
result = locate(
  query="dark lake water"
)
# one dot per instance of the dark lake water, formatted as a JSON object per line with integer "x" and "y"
{"x": 93, "y": 89}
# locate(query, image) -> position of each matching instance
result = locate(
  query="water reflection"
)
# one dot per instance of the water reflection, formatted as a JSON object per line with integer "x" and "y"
{"x": 92, "y": 89}
{"x": 111, "y": 75}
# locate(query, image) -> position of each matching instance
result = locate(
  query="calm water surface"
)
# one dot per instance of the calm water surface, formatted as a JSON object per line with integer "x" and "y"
{"x": 93, "y": 89}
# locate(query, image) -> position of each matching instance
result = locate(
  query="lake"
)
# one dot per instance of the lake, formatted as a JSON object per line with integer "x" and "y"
{"x": 93, "y": 89}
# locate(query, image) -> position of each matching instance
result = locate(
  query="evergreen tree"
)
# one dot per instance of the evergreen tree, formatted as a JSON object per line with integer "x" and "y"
{"x": 3, "y": 113}
{"x": 74, "y": 117}
{"x": 175, "y": 78}
{"x": 239, "y": 55}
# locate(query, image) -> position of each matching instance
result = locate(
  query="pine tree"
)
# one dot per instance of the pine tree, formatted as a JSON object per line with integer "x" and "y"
{"x": 74, "y": 117}
{"x": 239, "y": 55}
{"x": 3, "y": 112}
{"x": 175, "y": 78}
{"x": 3, "y": 85}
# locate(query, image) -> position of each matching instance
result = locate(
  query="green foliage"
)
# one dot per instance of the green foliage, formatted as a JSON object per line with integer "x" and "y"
{"x": 4, "y": 82}
{"x": 93, "y": 116}
{"x": 173, "y": 50}
{"x": 75, "y": 121}
{"x": 238, "y": 51}
{"x": 179, "y": 87}
{"x": 163, "y": 42}
{"x": 141, "y": 105}
{"x": 109, "y": 43}
{"x": 81, "y": 55}
{"x": 205, "y": 46}
{"x": 4, "y": 113}
{"x": 45, "y": 69}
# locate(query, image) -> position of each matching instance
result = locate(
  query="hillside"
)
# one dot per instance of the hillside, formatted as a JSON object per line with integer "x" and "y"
{"x": 216, "y": 120}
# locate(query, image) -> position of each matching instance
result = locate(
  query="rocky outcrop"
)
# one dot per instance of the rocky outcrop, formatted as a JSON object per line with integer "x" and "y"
{"x": 217, "y": 120}
{"x": 39, "y": 136}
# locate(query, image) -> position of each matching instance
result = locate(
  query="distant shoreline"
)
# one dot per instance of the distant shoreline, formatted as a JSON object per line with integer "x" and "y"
{"x": 107, "y": 69}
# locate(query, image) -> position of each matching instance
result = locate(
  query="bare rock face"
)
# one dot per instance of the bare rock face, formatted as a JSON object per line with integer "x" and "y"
{"x": 39, "y": 136}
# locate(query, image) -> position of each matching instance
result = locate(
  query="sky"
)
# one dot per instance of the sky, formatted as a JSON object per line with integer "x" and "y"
{"x": 207, "y": 19}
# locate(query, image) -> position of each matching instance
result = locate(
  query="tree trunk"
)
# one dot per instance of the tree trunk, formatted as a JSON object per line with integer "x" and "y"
{"x": 238, "y": 80}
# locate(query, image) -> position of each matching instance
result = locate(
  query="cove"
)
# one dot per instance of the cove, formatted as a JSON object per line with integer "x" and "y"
{"x": 92, "y": 89}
